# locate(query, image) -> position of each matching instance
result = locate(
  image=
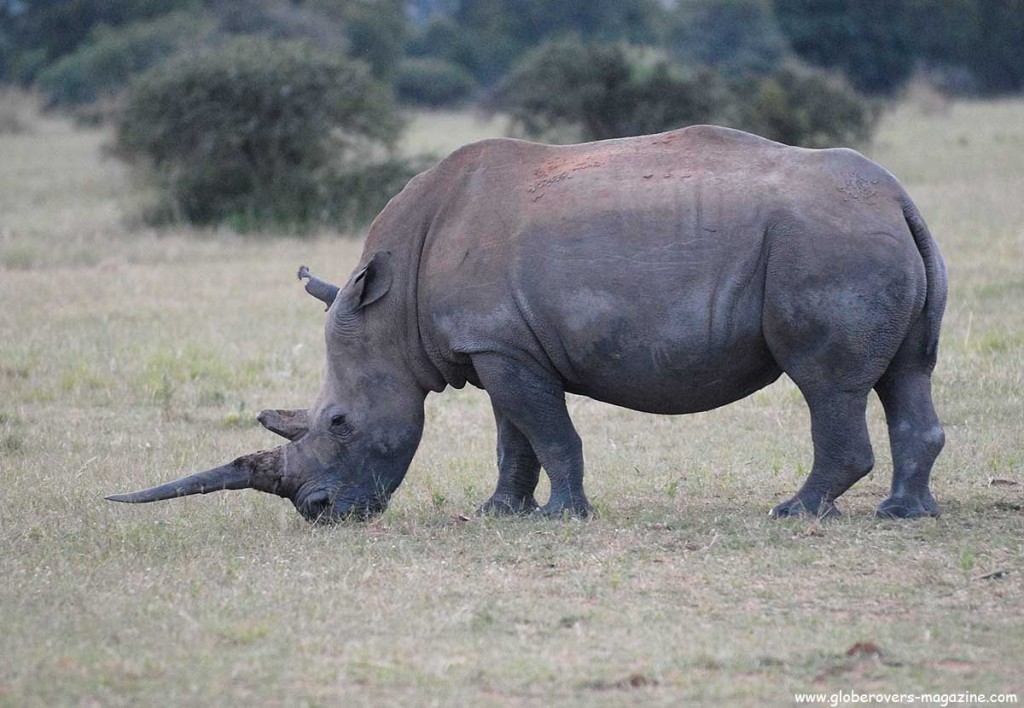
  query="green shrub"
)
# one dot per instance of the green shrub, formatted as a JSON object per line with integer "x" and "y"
{"x": 358, "y": 194}
{"x": 433, "y": 82}
{"x": 258, "y": 131}
{"x": 598, "y": 91}
{"x": 605, "y": 91}
{"x": 103, "y": 65}
{"x": 801, "y": 106}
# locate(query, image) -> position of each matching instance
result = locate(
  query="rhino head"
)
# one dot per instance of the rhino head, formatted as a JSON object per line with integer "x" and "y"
{"x": 351, "y": 449}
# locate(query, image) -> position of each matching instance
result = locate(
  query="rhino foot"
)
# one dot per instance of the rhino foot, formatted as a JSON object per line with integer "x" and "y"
{"x": 573, "y": 509}
{"x": 795, "y": 507}
{"x": 908, "y": 507}
{"x": 508, "y": 505}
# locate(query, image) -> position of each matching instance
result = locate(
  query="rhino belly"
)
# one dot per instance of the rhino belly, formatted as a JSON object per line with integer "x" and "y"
{"x": 658, "y": 380}
{"x": 662, "y": 355}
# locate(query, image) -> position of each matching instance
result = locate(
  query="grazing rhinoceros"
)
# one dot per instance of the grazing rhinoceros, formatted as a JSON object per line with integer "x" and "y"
{"x": 670, "y": 273}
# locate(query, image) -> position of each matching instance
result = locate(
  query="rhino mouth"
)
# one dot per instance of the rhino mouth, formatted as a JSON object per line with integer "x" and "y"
{"x": 322, "y": 506}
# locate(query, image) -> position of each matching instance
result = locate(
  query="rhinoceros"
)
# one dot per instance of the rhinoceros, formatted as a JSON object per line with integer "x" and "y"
{"x": 670, "y": 273}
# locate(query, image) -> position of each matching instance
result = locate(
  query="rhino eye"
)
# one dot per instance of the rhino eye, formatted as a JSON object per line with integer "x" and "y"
{"x": 337, "y": 420}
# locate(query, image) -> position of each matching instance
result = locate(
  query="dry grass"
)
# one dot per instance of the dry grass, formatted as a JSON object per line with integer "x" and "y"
{"x": 127, "y": 356}
{"x": 17, "y": 111}
{"x": 440, "y": 132}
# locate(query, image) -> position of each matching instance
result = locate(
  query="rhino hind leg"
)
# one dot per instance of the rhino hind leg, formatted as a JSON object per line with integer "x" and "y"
{"x": 840, "y": 311}
{"x": 532, "y": 401}
{"x": 518, "y": 472}
{"x": 842, "y": 454}
{"x": 916, "y": 438}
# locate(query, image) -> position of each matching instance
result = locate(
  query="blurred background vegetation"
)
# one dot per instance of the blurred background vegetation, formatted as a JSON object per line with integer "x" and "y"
{"x": 287, "y": 112}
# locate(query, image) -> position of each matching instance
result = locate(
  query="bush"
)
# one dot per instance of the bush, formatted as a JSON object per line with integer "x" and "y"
{"x": 605, "y": 91}
{"x": 358, "y": 194}
{"x": 103, "y": 65}
{"x": 433, "y": 82}
{"x": 609, "y": 91}
{"x": 801, "y": 106}
{"x": 258, "y": 131}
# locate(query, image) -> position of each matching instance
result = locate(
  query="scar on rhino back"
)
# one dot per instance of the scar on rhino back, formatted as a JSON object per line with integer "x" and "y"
{"x": 855, "y": 186}
{"x": 558, "y": 169}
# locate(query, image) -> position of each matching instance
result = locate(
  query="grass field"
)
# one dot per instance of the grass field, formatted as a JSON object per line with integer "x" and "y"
{"x": 129, "y": 356}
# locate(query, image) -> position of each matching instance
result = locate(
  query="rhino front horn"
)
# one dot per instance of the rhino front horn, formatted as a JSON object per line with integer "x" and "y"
{"x": 260, "y": 470}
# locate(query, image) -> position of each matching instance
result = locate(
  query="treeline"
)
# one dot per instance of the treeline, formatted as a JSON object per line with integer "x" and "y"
{"x": 287, "y": 111}
{"x": 972, "y": 46}
{"x": 965, "y": 46}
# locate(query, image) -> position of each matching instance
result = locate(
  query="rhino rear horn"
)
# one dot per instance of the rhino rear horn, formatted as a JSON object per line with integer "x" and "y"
{"x": 320, "y": 289}
{"x": 260, "y": 470}
{"x": 290, "y": 424}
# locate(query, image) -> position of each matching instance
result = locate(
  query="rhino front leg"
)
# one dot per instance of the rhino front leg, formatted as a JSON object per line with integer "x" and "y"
{"x": 518, "y": 472}
{"x": 533, "y": 401}
{"x": 842, "y": 454}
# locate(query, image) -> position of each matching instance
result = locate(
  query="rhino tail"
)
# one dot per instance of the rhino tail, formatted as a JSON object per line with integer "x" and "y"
{"x": 935, "y": 275}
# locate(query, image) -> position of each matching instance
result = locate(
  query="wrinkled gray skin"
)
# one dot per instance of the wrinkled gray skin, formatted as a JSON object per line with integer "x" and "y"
{"x": 671, "y": 273}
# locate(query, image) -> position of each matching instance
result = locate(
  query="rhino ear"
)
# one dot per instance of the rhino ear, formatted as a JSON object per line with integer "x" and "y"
{"x": 372, "y": 282}
{"x": 291, "y": 424}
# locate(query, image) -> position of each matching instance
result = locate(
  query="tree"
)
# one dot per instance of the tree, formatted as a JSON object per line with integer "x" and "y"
{"x": 878, "y": 44}
{"x": 377, "y": 30}
{"x": 489, "y": 36}
{"x": 869, "y": 41}
{"x": 104, "y": 65}
{"x": 736, "y": 36}
{"x": 43, "y": 31}
{"x": 997, "y": 56}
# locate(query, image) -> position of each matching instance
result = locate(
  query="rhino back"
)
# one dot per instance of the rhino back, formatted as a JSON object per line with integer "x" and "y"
{"x": 634, "y": 268}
